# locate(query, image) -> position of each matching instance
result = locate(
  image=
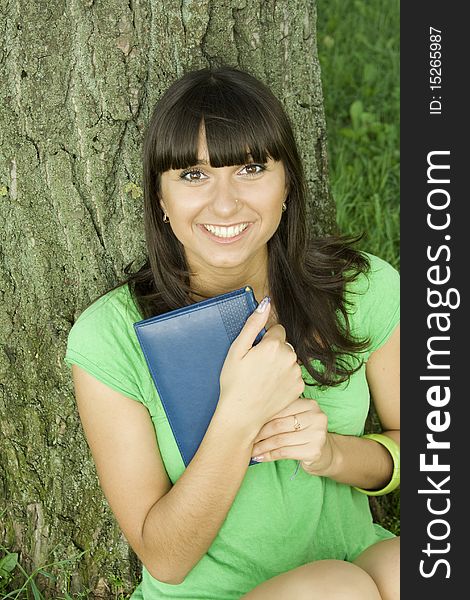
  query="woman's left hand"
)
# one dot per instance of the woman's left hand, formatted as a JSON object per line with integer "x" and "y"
{"x": 298, "y": 432}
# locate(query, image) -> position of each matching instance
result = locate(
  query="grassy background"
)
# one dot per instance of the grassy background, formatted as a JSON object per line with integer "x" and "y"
{"x": 358, "y": 46}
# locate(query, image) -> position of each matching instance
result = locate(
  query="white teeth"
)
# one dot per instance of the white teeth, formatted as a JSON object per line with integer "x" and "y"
{"x": 226, "y": 232}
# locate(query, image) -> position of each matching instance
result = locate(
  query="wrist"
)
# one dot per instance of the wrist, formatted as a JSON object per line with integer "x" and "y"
{"x": 393, "y": 450}
{"x": 331, "y": 462}
{"x": 232, "y": 426}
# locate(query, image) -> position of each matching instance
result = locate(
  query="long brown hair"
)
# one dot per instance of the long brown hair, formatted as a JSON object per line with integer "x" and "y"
{"x": 306, "y": 277}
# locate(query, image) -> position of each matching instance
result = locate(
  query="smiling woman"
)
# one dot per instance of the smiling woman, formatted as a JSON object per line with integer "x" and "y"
{"x": 225, "y": 207}
{"x": 224, "y": 217}
{"x": 225, "y": 138}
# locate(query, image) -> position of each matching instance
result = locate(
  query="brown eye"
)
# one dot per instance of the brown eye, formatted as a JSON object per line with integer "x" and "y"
{"x": 192, "y": 175}
{"x": 253, "y": 169}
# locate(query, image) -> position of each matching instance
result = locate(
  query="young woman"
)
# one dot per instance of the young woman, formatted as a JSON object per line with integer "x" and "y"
{"x": 224, "y": 208}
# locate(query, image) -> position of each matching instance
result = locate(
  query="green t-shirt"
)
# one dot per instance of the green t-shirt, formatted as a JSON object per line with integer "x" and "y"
{"x": 276, "y": 522}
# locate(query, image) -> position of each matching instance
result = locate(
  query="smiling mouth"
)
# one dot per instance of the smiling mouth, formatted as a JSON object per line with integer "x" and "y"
{"x": 226, "y": 232}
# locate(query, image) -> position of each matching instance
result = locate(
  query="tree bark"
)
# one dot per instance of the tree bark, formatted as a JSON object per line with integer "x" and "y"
{"x": 79, "y": 80}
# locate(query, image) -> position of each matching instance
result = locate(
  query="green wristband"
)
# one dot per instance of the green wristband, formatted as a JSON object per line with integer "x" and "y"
{"x": 394, "y": 450}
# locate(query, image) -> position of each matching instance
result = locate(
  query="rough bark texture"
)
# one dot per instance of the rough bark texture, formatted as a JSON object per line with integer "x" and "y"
{"x": 78, "y": 81}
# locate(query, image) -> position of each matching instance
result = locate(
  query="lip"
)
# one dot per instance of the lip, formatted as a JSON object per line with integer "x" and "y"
{"x": 221, "y": 240}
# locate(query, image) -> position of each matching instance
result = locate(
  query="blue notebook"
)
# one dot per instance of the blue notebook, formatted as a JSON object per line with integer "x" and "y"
{"x": 185, "y": 350}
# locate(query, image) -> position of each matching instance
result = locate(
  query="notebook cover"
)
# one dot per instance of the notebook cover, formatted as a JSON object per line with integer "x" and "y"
{"x": 185, "y": 350}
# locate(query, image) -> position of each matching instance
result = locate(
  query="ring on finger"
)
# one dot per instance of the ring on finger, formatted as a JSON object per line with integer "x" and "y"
{"x": 296, "y": 423}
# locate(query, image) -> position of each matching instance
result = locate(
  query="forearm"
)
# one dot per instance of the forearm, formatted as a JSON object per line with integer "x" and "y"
{"x": 182, "y": 525}
{"x": 360, "y": 462}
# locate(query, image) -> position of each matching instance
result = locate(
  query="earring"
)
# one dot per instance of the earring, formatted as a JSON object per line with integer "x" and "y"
{"x": 165, "y": 218}
{"x": 284, "y": 207}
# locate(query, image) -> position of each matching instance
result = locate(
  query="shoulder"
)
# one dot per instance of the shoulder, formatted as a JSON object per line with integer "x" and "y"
{"x": 111, "y": 315}
{"x": 380, "y": 277}
{"x": 373, "y": 302}
{"x": 117, "y": 302}
{"x": 102, "y": 341}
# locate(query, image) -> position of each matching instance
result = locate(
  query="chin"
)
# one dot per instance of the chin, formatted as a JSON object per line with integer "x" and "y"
{"x": 225, "y": 263}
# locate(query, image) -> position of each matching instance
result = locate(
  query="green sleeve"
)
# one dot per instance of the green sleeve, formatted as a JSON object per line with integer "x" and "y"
{"x": 375, "y": 302}
{"x": 102, "y": 342}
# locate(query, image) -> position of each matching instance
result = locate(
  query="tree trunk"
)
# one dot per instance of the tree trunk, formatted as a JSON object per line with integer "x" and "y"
{"x": 79, "y": 80}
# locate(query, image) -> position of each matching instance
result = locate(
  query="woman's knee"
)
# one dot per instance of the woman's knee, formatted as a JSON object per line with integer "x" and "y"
{"x": 332, "y": 579}
{"x": 345, "y": 581}
{"x": 382, "y": 562}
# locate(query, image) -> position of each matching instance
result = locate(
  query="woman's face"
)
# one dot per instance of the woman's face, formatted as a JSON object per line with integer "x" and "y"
{"x": 224, "y": 216}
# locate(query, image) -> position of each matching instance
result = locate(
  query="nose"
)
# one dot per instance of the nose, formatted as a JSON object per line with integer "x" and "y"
{"x": 224, "y": 198}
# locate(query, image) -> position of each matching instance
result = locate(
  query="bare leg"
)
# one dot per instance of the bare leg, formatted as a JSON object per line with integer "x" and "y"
{"x": 320, "y": 580}
{"x": 382, "y": 562}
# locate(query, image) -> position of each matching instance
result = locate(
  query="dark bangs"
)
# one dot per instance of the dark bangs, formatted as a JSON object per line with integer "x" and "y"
{"x": 243, "y": 121}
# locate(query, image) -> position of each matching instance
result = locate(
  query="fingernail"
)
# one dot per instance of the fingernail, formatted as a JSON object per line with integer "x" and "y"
{"x": 263, "y": 304}
{"x": 258, "y": 458}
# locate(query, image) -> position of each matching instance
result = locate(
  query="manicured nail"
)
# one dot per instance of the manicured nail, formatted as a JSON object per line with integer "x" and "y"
{"x": 258, "y": 458}
{"x": 263, "y": 304}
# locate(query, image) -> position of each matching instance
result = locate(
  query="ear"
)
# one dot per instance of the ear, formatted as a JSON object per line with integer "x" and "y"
{"x": 162, "y": 206}
{"x": 286, "y": 185}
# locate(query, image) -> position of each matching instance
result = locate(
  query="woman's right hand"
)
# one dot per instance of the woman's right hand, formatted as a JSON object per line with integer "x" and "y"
{"x": 259, "y": 381}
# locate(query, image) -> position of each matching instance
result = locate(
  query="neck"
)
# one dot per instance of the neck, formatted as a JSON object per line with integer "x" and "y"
{"x": 213, "y": 282}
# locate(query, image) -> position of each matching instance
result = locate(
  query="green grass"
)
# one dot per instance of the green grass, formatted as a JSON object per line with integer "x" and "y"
{"x": 358, "y": 46}
{"x": 16, "y": 583}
